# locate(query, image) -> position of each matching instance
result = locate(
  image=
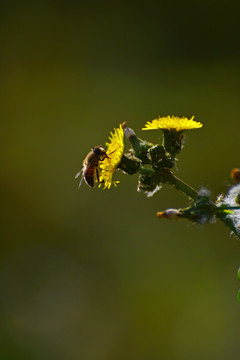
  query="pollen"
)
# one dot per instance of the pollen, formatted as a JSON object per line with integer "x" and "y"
{"x": 172, "y": 123}
{"x": 115, "y": 149}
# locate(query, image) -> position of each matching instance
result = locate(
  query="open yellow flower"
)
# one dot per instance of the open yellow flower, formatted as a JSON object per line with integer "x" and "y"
{"x": 172, "y": 123}
{"x": 115, "y": 149}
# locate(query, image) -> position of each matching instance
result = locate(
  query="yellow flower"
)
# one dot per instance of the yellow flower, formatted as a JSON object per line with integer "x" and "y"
{"x": 172, "y": 123}
{"x": 115, "y": 149}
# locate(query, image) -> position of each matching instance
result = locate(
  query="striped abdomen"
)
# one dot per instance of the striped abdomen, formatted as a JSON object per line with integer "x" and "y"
{"x": 89, "y": 176}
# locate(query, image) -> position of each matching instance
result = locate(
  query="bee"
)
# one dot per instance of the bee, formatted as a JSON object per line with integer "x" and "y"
{"x": 91, "y": 164}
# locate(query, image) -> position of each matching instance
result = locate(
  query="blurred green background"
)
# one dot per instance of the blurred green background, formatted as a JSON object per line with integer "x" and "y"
{"x": 92, "y": 274}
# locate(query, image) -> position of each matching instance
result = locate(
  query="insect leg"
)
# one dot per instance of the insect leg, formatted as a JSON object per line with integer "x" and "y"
{"x": 106, "y": 156}
{"x": 97, "y": 174}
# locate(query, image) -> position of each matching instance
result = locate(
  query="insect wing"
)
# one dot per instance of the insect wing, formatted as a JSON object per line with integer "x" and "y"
{"x": 79, "y": 173}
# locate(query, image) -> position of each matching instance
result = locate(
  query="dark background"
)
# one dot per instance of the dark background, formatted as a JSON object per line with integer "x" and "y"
{"x": 92, "y": 274}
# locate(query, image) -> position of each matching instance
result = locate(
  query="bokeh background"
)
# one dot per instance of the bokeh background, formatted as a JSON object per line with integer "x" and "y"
{"x": 92, "y": 274}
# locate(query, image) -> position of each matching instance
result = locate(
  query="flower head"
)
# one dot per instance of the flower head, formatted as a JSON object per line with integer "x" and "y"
{"x": 108, "y": 166}
{"x": 235, "y": 174}
{"x": 172, "y": 123}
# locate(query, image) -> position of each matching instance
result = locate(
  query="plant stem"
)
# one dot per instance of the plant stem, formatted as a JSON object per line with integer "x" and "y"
{"x": 192, "y": 193}
{"x": 181, "y": 185}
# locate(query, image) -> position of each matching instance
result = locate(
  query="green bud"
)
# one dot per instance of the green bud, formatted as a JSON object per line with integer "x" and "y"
{"x": 147, "y": 182}
{"x": 160, "y": 160}
{"x": 173, "y": 141}
{"x": 130, "y": 164}
{"x": 140, "y": 147}
{"x": 202, "y": 210}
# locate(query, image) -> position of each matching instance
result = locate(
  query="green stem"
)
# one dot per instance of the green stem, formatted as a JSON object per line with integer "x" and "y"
{"x": 181, "y": 185}
{"x": 192, "y": 193}
{"x": 228, "y": 208}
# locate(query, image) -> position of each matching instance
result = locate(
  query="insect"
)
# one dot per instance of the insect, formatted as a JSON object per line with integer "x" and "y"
{"x": 90, "y": 165}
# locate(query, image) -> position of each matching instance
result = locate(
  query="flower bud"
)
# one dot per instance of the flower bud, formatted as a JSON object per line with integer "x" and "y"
{"x": 130, "y": 164}
{"x": 235, "y": 174}
{"x": 140, "y": 147}
{"x": 173, "y": 141}
{"x": 170, "y": 214}
{"x": 160, "y": 160}
{"x": 148, "y": 183}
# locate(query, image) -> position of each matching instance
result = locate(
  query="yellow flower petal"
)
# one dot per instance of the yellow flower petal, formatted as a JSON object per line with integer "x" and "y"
{"x": 108, "y": 166}
{"x": 172, "y": 123}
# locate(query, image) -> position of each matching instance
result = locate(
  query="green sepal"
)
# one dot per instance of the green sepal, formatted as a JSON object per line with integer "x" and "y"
{"x": 141, "y": 149}
{"x": 201, "y": 210}
{"x": 147, "y": 182}
{"x": 160, "y": 160}
{"x": 130, "y": 164}
{"x": 173, "y": 141}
